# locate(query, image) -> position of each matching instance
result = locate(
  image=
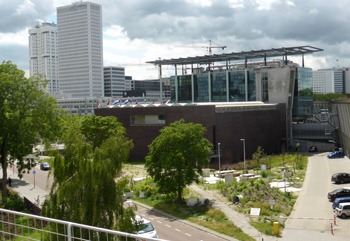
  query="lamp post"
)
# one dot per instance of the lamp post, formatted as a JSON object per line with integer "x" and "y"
{"x": 219, "y": 160}
{"x": 244, "y": 153}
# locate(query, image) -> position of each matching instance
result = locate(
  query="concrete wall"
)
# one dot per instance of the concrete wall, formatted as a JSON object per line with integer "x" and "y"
{"x": 343, "y": 110}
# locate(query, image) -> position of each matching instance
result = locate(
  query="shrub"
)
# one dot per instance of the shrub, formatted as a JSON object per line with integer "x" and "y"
{"x": 264, "y": 174}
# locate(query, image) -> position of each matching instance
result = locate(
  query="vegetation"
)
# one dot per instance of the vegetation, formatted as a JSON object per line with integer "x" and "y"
{"x": 208, "y": 217}
{"x": 328, "y": 96}
{"x": 177, "y": 156}
{"x": 84, "y": 189}
{"x": 26, "y": 112}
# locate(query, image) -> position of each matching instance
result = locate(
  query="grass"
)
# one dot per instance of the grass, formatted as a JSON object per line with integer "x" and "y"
{"x": 207, "y": 217}
{"x": 266, "y": 227}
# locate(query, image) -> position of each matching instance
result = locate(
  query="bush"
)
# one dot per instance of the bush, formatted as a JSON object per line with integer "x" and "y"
{"x": 264, "y": 174}
{"x": 14, "y": 201}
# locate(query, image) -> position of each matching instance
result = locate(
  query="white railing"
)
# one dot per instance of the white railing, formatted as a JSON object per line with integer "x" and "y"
{"x": 23, "y": 226}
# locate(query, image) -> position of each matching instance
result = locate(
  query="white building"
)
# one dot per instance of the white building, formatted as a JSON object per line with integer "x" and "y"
{"x": 328, "y": 81}
{"x": 114, "y": 81}
{"x": 80, "y": 49}
{"x": 43, "y": 54}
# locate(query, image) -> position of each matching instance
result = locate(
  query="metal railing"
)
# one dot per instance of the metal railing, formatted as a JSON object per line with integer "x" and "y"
{"x": 22, "y": 226}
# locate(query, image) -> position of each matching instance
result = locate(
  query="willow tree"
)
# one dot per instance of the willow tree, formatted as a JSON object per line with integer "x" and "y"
{"x": 177, "y": 156}
{"x": 84, "y": 189}
{"x": 26, "y": 111}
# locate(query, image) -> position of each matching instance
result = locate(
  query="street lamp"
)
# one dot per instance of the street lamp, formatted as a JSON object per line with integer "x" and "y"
{"x": 219, "y": 160}
{"x": 244, "y": 153}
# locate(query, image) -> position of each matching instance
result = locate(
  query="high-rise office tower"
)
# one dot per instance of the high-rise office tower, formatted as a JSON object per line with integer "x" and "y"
{"x": 80, "y": 50}
{"x": 43, "y": 54}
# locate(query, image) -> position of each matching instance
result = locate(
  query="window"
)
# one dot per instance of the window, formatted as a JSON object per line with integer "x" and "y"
{"x": 148, "y": 120}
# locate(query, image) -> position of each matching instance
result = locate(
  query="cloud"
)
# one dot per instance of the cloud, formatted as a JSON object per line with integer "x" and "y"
{"x": 140, "y": 30}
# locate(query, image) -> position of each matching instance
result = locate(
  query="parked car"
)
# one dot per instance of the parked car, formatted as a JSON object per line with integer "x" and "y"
{"x": 45, "y": 166}
{"x": 341, "y": 177}
{"x": 313, "y": 149}
{"x": 336, "y": 154}
{"x": 343, "y": 210}
{"x": 144, "y": 228}
{"x": 339, "y": 200}
{"x": 343, "y": 192}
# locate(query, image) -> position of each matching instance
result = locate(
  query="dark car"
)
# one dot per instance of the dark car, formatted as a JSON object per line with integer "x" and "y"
{"x": 343, "y": 192}
{"x": 338, "y": 154}
{"x": 45, "y": 166}
{"x": 341, "y": 177}
{"x": 313, "y": 149}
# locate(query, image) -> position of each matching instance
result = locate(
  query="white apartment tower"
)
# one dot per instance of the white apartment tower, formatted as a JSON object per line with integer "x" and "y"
{"x": 328, "y": 81}
{"x": 80, "y": 50}
{"x": 43, "y": 54}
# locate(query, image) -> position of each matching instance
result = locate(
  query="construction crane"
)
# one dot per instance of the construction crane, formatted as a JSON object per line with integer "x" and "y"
{"x": 210, "y": 47}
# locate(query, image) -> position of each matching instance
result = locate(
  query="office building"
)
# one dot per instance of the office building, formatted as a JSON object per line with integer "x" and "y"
{"x": 80, "y": 50}
{"x": 43, "y": 61}
{"x": 114, "y": 81}
{"x": 329, "y": 81}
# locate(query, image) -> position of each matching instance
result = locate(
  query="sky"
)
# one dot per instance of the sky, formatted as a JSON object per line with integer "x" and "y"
{"x": 136, "y": 31}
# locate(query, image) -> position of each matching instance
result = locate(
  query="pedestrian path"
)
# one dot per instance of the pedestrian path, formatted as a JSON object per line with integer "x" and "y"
{"x": 238, "y": 219}
{"x": 25, "y": 189}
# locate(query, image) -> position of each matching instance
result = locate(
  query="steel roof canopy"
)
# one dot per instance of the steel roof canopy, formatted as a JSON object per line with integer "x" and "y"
{"x": 244, "y": 55}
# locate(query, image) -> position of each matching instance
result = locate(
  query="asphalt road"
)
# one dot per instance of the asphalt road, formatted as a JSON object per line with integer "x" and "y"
{"x": 312, "y": 210}
{"x": 174, "y": 230}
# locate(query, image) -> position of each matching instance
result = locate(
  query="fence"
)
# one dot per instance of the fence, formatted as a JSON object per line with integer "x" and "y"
{"x": 23, "y": 226}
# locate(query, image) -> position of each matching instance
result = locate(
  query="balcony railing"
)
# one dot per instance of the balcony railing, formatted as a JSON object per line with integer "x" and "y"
{"x": 23, "y": 226}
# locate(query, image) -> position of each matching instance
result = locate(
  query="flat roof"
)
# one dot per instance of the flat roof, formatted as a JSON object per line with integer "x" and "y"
{"x": 244, "y": 55}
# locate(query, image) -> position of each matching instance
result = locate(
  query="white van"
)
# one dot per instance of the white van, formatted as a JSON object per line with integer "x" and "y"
{"x": 144, "y": 228}
{"x": 343, "y": 210}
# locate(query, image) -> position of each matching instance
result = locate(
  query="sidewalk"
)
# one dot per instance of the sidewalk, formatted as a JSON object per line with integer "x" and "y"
{"x": 25, "y": 189}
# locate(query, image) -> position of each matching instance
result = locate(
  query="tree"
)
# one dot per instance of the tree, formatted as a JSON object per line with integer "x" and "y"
{"x": 26, "y": 111}
{"x": 84, "y": 189}
{"x": 258, "y": 154}
{"x": 177, "y": 155}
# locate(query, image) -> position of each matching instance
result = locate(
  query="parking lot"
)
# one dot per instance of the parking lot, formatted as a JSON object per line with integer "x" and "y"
{"x": 312, "y": 210}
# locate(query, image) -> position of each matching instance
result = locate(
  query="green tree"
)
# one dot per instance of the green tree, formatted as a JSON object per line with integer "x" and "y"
{"x": 84, "y": 189}
{"x": 257, "y": 155}
{"x": 26, "y": 111}
{"x": 177, "y": 155}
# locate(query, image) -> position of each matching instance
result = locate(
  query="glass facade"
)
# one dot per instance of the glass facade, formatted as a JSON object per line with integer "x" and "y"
{"x": 218, "y": 87}
{"x": 303, "y": 100}
{"x": 264, "y": 87}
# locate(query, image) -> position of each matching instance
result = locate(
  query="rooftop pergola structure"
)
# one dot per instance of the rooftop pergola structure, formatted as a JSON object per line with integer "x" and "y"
{"x": 234, "y": 56}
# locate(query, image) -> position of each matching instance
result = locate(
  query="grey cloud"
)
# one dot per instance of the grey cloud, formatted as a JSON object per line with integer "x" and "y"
{"x": 19, "y": 14}
{"x": 163, "y": 20}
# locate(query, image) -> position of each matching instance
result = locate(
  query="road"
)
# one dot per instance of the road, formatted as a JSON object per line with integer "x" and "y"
{"x": 167, "y": 228}
{"x": 313, "y": 203}
{"x": 172, "y": 229}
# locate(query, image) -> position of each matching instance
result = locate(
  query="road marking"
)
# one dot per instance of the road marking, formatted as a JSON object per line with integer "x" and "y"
{"x": 168, "y": 225}
{"x": 188, "y": 234}
{"x": 177, "y": 230}
{"x": 159, "y": 221}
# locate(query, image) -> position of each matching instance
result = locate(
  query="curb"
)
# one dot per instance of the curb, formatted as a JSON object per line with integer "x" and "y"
{"x": 223, "y": 236}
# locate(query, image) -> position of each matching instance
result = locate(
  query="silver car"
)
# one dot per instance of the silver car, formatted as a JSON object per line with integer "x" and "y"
{"x": 343, "y": 210}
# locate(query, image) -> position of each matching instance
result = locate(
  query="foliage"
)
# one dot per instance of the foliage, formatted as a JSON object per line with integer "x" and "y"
{"x": 305, "y": 92}
{"x": 177, "y": 156}
{"x": 256, "y": 193}
{"x": 15, "y": 202}
{"x": 26, "y": 112}
{"x": 328, "y": 96}
{"x": 84, "y": 189}
{"x": 258, "y": 155}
